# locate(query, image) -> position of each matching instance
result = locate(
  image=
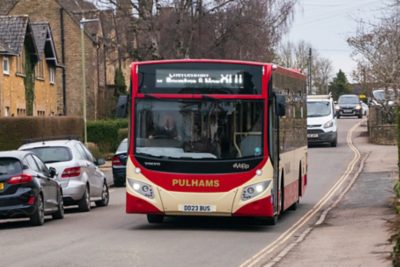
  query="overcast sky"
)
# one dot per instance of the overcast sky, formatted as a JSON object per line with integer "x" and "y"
{"x": 327, "y": 24}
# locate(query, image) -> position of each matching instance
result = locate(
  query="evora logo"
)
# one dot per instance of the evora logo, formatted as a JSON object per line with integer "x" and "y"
{"x": 194, "y": 183}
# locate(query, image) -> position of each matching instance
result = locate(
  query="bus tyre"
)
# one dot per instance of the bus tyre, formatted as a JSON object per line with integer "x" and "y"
{"x": 155, "y": 218}
{"x": 295, "y": 205}
{"x": 270, "y": 220}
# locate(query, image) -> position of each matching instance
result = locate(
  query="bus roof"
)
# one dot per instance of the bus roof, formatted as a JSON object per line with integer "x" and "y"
{"x": 319, "y": 97}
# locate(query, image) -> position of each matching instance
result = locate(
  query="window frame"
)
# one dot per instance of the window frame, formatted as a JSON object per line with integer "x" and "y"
{"x": 6, "y": 60}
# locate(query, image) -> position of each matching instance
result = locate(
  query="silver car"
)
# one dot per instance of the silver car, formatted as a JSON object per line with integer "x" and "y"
{"x": 77, "y": 171}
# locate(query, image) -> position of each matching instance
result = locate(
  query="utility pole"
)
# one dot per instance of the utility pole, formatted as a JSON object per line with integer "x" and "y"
{"x": 309, "y": 71}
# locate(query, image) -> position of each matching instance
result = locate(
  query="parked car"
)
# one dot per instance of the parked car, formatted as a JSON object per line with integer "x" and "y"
{"x": 119, "y": 163}
{"x": 78, "y": 173}
{"x": 349, "y": 105}
{"x": 28, "y": 188}
{"x": 365, "y": 109}
{"x": 383, "y": 97}
{"x": 321, "y": 120}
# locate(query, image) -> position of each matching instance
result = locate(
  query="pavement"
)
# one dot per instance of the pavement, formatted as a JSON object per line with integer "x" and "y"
{"x": 356, "y": 231}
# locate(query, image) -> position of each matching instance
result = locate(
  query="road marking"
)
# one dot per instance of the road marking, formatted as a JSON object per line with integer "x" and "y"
{"x": 317, "y": 207}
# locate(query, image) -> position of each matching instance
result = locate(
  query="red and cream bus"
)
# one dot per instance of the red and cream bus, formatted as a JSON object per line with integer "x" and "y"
{"x": 215, "y": 138}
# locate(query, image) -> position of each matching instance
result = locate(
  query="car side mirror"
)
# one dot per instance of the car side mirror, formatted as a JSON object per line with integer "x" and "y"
{"x": 100, "y": 162}
{"x": 280, "y": 105}
{"x": 335, "y": 102}
{"x": 52, "y": 172}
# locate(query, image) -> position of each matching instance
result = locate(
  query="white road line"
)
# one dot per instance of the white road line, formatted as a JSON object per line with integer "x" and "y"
{"x": 302, "y": 221}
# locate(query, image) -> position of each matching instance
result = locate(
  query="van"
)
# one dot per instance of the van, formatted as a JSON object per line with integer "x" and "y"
{"x": 321, "y": 120}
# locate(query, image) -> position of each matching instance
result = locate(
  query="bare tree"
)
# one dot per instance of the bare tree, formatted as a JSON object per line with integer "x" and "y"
{"x": 297, "y": 56}
{"x": 236, "y": 29}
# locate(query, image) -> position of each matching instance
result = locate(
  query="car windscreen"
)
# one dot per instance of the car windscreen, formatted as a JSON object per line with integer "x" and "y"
{"x": 10, "y": 166}
{"x": 52, "y": 154}
{"x": 318, "y": 109}
{"x": 123, "y": 147}
{"x": 349, "y": 100}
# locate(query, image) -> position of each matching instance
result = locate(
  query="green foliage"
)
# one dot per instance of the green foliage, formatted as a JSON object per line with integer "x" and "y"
{"x": 122, "y": 133}
{"x": 104, "y": 133}
{"x": 29, "y": 81}
{"x": 339, "y": 85}
{"x": 119, "y": 81}
{"x": 14, "y": 130}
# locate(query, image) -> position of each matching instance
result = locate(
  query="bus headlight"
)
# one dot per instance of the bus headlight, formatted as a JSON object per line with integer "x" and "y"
{"x": 328, "y": 124}
{"x": 254, "y": 190}
{"x": 142, "y": 188}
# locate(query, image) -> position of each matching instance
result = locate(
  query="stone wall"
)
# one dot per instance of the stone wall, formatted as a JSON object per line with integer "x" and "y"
{"x": 380, "y": 132}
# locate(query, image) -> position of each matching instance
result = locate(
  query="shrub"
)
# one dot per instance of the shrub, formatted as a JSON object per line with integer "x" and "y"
{"x": 14, "y": 130}
{"x": 105, "y": 133}
{"x": 122, "y": 133}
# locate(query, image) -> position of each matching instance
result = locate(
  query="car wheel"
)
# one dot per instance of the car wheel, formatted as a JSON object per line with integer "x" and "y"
{"x": 118, "y": 183}
{"x": 84, "y": 203}
{"x": 59, "y": 214}
{"x": 334, "y": 143}
{"x": 105, "y": 196}
{"x": 155, "y": 218}
{"x": 360, "y": 116}
{"x": 37, "y": 217}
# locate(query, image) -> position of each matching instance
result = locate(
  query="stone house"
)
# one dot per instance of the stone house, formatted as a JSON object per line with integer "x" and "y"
{"x": 28, "y": 68}
{"x": 64, "y": 17}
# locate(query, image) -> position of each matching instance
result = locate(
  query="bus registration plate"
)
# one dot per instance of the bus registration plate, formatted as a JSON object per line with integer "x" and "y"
{"x": 196, "y": 208}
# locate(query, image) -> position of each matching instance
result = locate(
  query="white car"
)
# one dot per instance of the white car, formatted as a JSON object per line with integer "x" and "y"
{"x": 77, "y": 171}
{"x": 365, "y": 109}
{"x": 321, "y": 120}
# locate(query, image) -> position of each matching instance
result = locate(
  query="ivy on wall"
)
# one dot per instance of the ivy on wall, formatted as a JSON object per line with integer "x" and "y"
{"x": 29, "y": 80}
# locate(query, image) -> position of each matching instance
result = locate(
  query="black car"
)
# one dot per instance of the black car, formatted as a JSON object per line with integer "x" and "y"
{"x": 119, "y": 163}
{"x": 28, "y": 188}
{"x": 349, "y": 105}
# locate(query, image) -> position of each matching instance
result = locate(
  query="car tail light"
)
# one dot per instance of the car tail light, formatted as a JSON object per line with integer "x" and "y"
{"x": 31, "y": 200}
{"x": 71, "y": 172}
{"x": 20, "y": 179}
{"x": 116, "y": 161}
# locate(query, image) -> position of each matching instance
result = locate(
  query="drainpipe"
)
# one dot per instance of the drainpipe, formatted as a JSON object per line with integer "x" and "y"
{"x": 64, "y": 82}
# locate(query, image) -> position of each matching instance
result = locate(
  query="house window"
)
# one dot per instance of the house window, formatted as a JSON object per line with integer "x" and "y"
{"x": 52, "y": 75}
{"x": 6, "y": 65}
{"x": 6, "y": 111}
{"x": 21, "y": 112}
{"x": 21, "y": 63}
{"x": 39, "y": 70}
{"x": 41, "y": 113}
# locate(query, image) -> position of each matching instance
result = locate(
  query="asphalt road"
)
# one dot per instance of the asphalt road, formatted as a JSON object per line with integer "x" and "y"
{"x": 109, "y": 237}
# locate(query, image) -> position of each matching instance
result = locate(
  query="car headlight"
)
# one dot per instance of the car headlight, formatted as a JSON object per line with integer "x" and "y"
{"x": 358, "y": 107}
{"x": 254, "y": 190}
{"x": 337, "y": 107}
{"x": 142, "y": 188}
{"x": 328, "y": 124}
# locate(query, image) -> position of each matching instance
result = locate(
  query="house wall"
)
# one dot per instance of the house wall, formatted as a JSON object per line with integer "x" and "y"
{"x": 45, "y": 95}
{"x": 49, "y": 10}
{"x": 12, "y": 90}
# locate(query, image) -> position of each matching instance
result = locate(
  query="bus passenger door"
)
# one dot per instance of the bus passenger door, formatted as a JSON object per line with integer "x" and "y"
{"x": 273, "y": 143}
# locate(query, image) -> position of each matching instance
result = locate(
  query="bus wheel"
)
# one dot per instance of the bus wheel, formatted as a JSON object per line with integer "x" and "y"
{"x": 270, "y": 220}
{"x": 155, "y": 218}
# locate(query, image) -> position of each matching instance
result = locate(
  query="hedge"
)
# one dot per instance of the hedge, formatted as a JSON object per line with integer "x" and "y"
{"x": 14, "y": 130}
{"x": 104, "y": 133}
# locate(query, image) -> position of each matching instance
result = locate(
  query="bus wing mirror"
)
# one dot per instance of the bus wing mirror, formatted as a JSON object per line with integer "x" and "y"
{"x": 281, "y": 105}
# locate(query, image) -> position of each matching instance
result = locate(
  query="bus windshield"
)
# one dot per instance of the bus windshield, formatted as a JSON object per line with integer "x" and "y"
{"x": 198, "y": 129}
{"x": 318, "y": 109}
